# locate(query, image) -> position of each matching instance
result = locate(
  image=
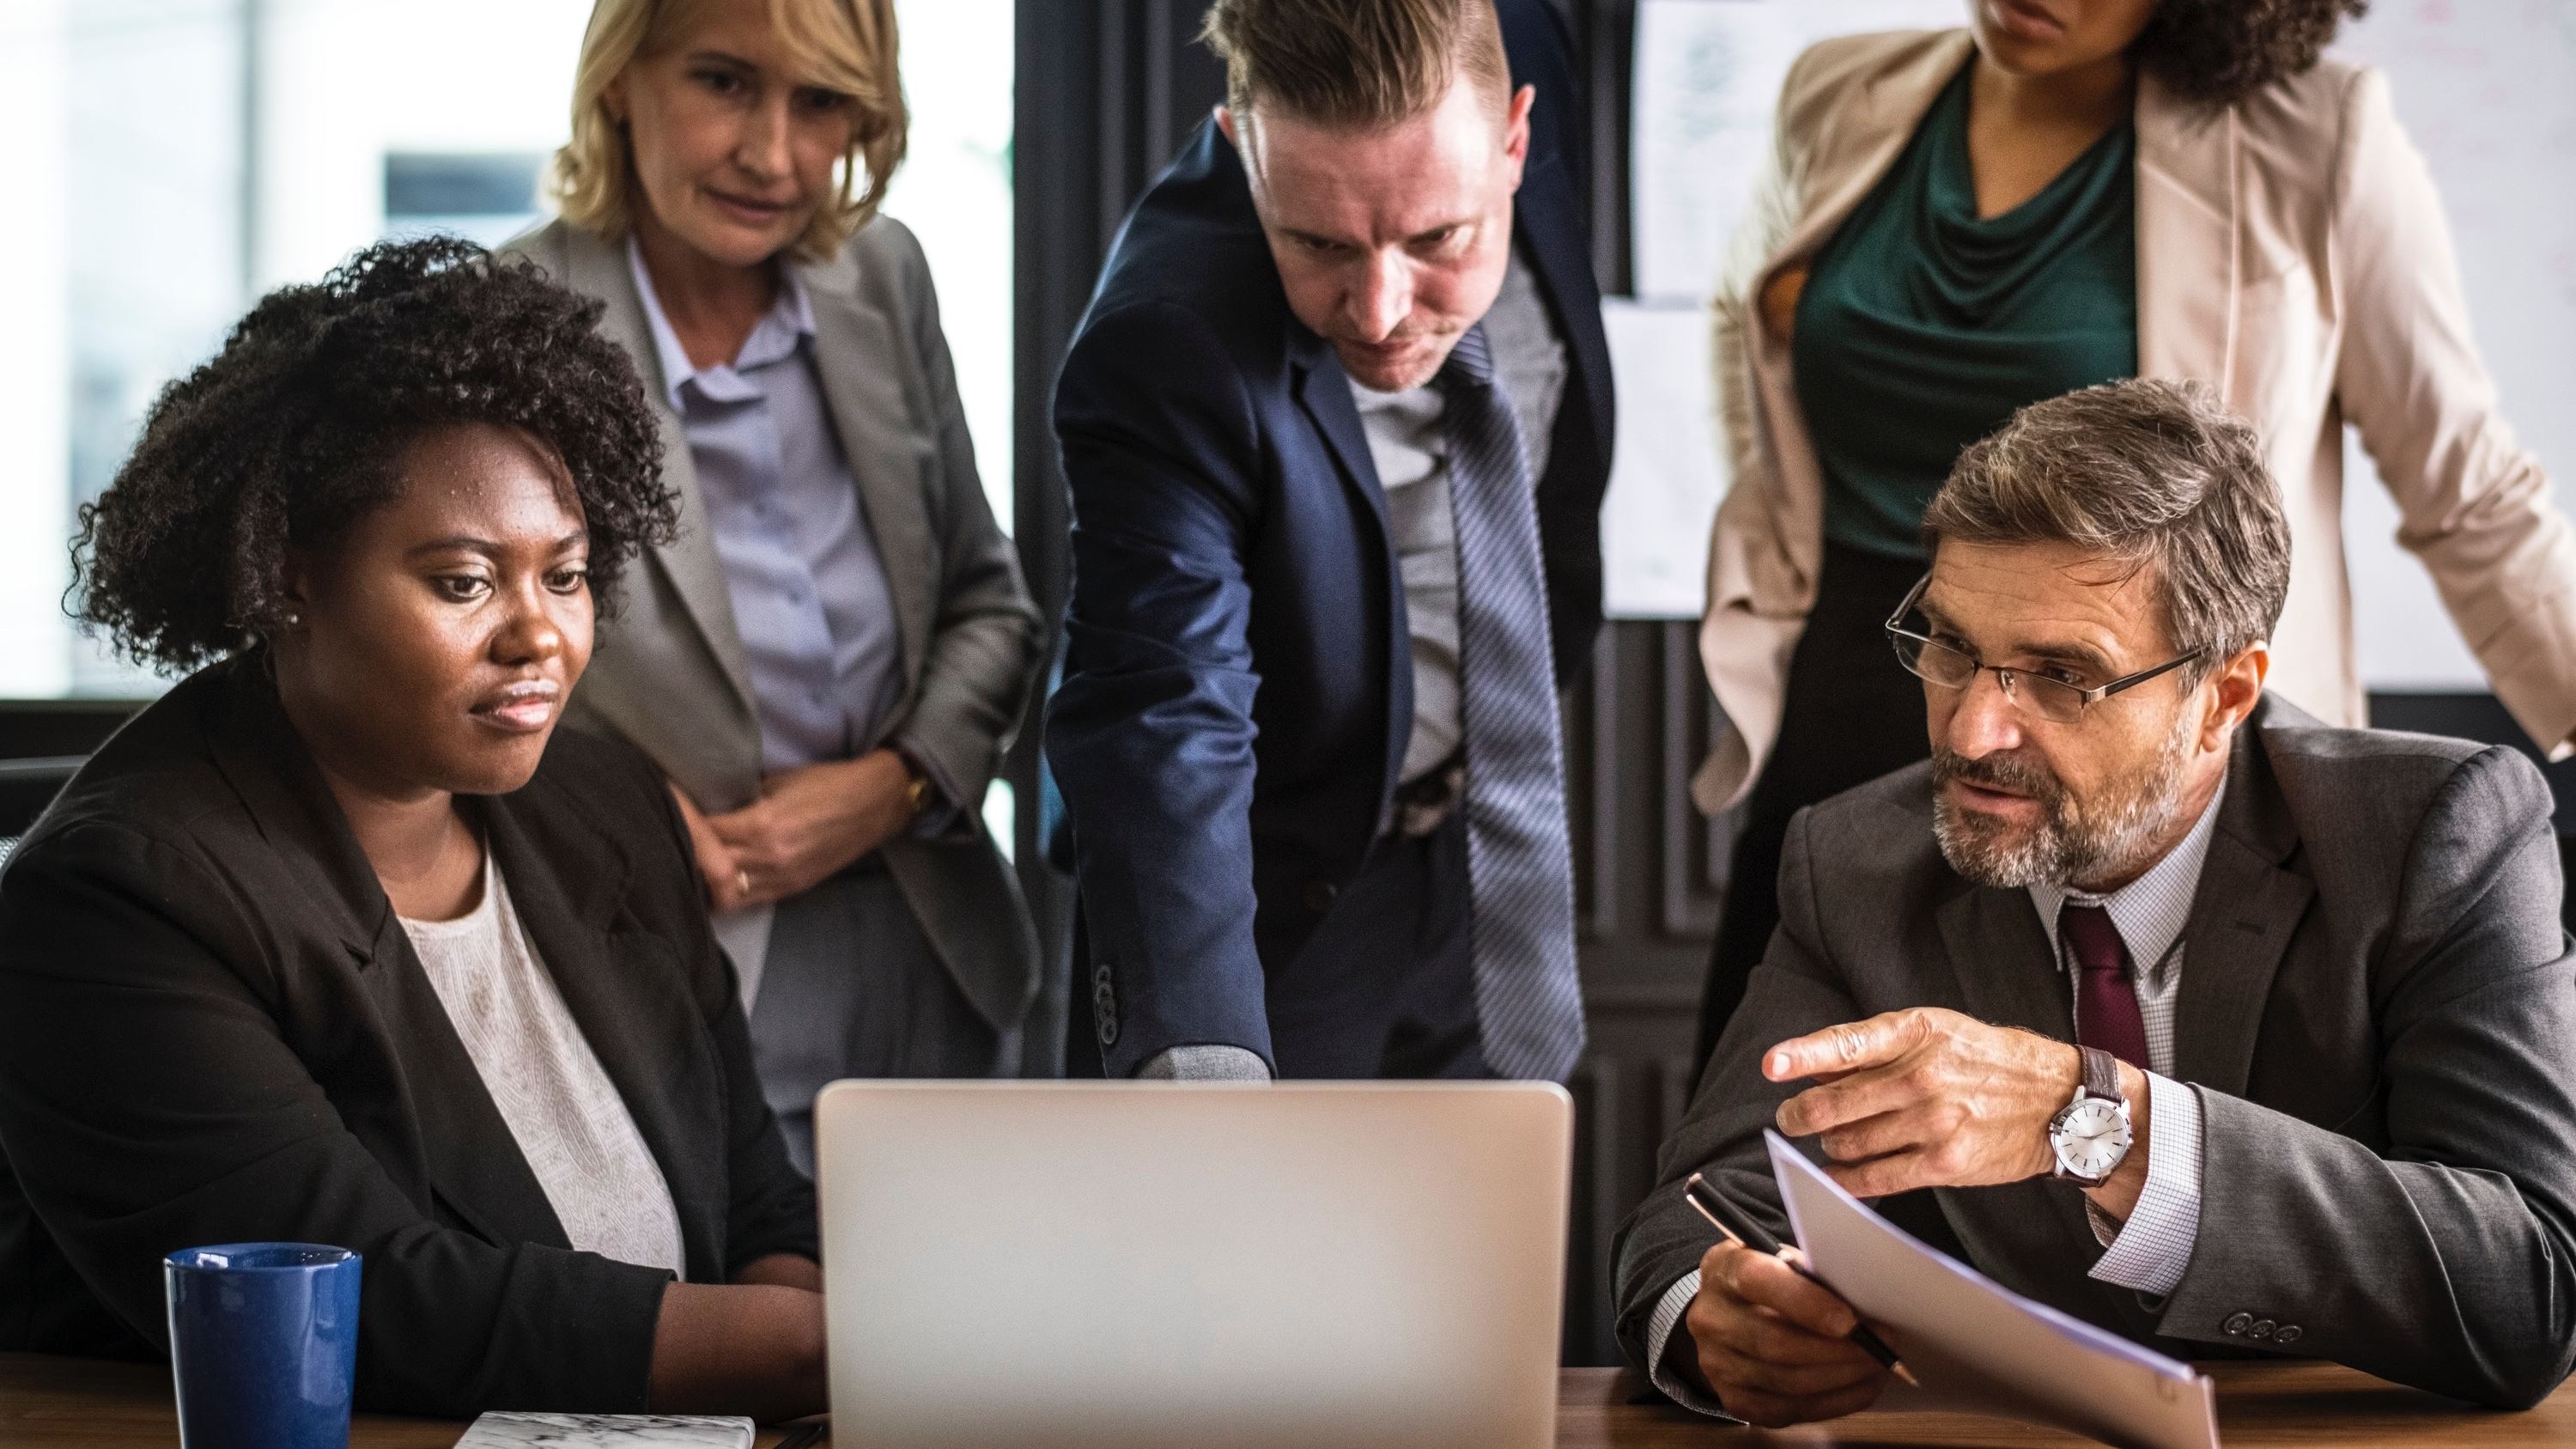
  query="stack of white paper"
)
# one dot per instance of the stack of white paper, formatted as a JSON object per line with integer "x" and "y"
{"x": 1979, "y": 1346}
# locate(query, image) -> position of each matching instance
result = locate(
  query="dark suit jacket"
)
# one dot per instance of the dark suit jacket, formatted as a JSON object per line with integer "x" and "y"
{"x": 1238, "y": 682}
{"x": 2378, "y": 1011}
{"x": 213, "y": 1029}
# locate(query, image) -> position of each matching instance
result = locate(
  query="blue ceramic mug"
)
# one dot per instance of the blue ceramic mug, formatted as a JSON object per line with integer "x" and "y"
{"x": 263, "y": 1344}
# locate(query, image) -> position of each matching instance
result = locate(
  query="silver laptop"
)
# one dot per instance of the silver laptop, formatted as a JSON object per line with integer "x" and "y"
{"x": 1060, "y": 1265}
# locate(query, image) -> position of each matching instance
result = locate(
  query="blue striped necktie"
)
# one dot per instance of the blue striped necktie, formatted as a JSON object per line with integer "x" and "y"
{"x": 1520, "y": 866}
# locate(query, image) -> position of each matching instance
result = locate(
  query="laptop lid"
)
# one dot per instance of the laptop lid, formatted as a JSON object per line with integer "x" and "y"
{"x": 1060, "y": 1265}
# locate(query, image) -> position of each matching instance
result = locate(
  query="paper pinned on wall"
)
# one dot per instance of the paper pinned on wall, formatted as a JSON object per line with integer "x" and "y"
{"x": 1667, "y": 474}
{"x": 1701, "y": 118}
{"x": 1706, "y": 87}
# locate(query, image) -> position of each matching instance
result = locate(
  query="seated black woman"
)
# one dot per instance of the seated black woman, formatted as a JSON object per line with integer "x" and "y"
{"x": 341, "y": 941}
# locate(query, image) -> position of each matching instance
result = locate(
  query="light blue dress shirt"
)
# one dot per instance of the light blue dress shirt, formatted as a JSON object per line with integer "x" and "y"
{"x": 808, "y": 587}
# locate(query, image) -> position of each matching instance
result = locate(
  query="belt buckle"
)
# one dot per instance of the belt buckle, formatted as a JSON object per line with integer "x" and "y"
{"x": 1425, "y": 803}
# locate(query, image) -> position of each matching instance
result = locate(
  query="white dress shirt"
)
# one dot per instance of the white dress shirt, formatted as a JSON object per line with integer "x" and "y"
{"x": 2150, "y": 1251}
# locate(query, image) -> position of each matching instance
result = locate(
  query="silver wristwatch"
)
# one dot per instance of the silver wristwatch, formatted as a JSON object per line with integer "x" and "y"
{"x": 2091, "y": 1133}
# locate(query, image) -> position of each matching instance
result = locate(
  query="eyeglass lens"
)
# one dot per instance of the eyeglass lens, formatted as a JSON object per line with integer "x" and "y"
{"x": 2050, "y": 699}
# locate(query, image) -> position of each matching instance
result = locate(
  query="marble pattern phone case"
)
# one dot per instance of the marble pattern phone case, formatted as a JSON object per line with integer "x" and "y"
{"x": 600, "y": 1431}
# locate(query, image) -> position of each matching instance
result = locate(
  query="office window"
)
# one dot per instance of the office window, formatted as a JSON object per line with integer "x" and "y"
{"x": 184, "y": 156}
{"x": 488, "y": 197}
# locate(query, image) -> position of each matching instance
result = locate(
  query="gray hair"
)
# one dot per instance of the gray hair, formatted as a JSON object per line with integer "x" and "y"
{"x": 2158, "y": 476}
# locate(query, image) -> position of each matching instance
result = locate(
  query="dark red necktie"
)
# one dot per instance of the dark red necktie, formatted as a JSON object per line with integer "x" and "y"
{"x": 2106, "y": 1003}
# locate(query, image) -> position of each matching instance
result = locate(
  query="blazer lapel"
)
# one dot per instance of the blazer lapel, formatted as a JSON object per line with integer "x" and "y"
{"x": 1866, "y": 142}
{"x": 638, "y": 1020}
{"x": 1324, "y": 394}
{"x": 598, "y": 268}
{"x": 262, "y": 757}
{"x": 2000, "y": 960}
{"x": 1858, "y": 145}
{"x": 2242, "y": 918}
{"x": 1547, "y": 218}
{"x": 2190, "y": 261}
{"x": 855, "y": 345}
{"x": 475, "y": 1165}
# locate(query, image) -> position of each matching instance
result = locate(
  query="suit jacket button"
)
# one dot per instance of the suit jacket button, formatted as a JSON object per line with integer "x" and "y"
{"x": 1104, "y": 1006}
{"x": 1320, "y": 894}
{"x": 2263, "y": 1328}
{"x": 2290, "y": 1333}
{"x": 2237, "y": 1323}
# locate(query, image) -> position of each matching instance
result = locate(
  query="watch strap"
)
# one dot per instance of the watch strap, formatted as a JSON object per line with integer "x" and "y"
{"x": 2101, "y": 1073}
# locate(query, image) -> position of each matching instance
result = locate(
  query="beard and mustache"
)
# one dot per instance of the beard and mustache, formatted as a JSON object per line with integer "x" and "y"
{"x": 2076, "y": 840}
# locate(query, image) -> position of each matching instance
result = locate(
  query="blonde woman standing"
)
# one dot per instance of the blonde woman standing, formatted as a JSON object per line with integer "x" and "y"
{"x": 830, "y": 661}
{"x": 1959, "y": 223}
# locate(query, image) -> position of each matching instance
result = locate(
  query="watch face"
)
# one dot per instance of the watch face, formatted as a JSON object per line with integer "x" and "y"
{"x": 2090, "y": 1137}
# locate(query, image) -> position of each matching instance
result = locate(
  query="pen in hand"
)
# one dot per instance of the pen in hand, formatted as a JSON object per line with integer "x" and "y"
{"x": 1741, "y": 1229}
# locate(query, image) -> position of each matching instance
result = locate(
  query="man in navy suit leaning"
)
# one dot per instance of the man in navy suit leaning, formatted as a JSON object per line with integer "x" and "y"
{"x": 1337, "y": 426}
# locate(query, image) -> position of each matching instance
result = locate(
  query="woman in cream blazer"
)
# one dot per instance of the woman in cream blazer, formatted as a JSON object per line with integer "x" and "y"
{"x": 2289, "y": 251}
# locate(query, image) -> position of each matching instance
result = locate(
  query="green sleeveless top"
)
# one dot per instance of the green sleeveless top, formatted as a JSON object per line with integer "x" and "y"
{"x": 1922, "y": 327}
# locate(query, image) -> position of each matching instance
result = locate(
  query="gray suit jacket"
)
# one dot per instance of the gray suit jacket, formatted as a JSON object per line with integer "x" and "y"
{"x": 2378, "y": 1011}
{"x": 669, "y": 675}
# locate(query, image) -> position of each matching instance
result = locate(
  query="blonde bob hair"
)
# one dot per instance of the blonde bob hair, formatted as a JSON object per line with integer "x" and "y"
{"x": 846, "y": 46}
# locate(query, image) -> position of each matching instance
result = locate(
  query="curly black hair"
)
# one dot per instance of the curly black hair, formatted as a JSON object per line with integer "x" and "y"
{"x": 2221, "y": 51}
{"x": 295, "y": 429}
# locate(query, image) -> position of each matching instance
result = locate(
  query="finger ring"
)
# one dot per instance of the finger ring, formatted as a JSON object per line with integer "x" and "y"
{"x": 742, "y": 880}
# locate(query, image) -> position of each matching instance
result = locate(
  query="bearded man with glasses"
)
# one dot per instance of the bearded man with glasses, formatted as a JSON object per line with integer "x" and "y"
{"x": 2148, "y": 995}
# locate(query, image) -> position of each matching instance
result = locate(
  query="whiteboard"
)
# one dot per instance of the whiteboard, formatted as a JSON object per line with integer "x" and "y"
{"x": 2487, "y": 89}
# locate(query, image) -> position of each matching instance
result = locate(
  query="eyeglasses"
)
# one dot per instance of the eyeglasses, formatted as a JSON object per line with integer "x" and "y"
{"x": 2060, "y": 700}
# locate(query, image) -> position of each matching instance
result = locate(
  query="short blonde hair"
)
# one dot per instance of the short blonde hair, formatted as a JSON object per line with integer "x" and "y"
{"x": 847, "y": 46}
{"x": 1355, "y": 63}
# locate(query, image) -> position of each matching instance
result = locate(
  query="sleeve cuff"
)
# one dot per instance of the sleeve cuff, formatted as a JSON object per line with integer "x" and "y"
{"x": 1659, "y": 1333}
{"x": 2151, "y": 1250}
{"x": 1212, "y": 1062}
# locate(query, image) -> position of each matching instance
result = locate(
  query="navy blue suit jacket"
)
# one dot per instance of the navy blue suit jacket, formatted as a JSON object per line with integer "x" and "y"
{"x": 1238, "y": 684}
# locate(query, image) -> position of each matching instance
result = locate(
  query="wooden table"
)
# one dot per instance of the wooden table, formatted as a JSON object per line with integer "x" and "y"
{"x": 54, "y": 1403}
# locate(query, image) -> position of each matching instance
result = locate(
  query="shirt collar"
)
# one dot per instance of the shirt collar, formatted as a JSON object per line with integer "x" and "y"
{"x": 789, "y": 321}
{"x": 2151, "y": 911}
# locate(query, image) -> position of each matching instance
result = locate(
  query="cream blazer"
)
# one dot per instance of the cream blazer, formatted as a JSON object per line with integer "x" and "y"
{"x": 2291, "y": 254}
